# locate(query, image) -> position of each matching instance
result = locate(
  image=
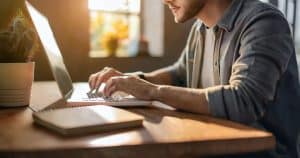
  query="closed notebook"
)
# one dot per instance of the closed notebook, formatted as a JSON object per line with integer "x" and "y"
{"x": 83, "y": 120}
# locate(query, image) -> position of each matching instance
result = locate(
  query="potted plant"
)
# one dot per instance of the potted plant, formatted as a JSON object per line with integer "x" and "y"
{"x": 17, "y": 45}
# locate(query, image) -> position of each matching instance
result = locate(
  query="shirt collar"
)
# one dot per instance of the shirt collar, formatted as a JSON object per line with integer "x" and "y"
{"x": 229, "y": 17}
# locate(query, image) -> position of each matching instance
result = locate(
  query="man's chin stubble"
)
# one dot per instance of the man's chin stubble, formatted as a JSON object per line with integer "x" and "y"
{"x": 179, "y": 21}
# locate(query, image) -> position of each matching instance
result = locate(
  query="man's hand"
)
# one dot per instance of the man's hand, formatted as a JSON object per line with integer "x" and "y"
{"x": 96, "y": 79}
{"x": 135, "y": 86}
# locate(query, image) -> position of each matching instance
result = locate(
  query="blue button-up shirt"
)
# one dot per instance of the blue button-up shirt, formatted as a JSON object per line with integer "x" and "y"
{"x": 254, "y": 71}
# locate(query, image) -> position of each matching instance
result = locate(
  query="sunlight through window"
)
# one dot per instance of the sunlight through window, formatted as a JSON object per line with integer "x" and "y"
{"x": 114, "y": 26}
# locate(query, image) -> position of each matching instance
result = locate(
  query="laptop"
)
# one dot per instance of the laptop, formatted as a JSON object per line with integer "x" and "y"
{"x": 73, "y": 94}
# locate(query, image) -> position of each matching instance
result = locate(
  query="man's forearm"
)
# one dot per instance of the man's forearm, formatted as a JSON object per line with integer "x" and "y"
{"x": 161, "y": 77}
{"x": 187, "y": 99}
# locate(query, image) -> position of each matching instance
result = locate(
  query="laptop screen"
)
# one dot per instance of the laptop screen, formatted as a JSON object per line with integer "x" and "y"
{"x": 52, "y": 51}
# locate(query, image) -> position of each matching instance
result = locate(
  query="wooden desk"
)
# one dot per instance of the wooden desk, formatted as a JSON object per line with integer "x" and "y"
{"x": 165, "y": 134}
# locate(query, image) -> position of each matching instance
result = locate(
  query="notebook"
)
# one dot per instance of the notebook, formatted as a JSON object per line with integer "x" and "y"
{"x": 73, "y": 94}
{"x": 89, "y": 119}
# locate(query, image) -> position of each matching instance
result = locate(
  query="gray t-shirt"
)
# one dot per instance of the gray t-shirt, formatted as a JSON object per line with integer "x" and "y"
{"x": 207, "y": 77}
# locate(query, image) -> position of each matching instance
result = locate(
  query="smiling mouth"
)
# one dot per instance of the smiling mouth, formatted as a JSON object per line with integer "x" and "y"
{"x": 174, "y": 8}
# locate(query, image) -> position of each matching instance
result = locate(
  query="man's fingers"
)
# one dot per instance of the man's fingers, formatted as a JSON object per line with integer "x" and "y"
{"x": 108, "y": 85}
{"x": 95, "y": 80}
{"x": 92, "y": 81}
{"x": 111, "y": 90}
{"x": 103, "y": 77}
{"x": 99, "y": 80}
{"x": 113, "y": 84}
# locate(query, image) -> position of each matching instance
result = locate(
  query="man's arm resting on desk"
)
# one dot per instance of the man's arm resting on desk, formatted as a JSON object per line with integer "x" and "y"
{"x": 161, "y": 77}
{"x": 187, "y": 99}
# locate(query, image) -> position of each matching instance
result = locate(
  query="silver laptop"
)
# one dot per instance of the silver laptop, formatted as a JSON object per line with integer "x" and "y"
{"x": 75, "y": 95}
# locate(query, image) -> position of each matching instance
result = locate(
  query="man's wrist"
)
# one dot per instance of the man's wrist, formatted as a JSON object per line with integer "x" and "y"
{"x": 138, "y": 74}
{"x": 155, "y": 92}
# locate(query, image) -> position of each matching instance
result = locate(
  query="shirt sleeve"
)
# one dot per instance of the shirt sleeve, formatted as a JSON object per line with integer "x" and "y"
{"x": 266, "y": 47}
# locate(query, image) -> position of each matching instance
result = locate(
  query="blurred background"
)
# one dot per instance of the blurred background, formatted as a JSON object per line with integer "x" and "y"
{"x": 129, "y": 35}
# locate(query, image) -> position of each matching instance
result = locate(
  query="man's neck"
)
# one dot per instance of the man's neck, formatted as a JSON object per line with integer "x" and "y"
{"x": 213, "y": 11}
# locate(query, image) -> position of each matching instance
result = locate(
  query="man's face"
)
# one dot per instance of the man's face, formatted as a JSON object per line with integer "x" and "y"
{"x": 184, "y": 10}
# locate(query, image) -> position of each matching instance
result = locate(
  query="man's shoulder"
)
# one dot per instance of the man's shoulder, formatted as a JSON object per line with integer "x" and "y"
{"x": 255, "y": 8}
{"x": 254, "y": 13}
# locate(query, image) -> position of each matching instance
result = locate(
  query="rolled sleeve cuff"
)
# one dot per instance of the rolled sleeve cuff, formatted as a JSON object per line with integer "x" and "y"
{"x": 214, "y": 97}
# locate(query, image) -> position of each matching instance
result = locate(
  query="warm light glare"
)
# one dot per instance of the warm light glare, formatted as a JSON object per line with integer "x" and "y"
{"x": 115, "y": 5}
{"x": 45, "y": 32}
{"x": 114, "y": 25}
{"x": 117, "y": 139}
{"x": 109, "y": 115}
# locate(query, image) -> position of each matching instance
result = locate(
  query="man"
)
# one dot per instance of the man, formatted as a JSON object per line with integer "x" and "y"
{"x": 239, "y": 64}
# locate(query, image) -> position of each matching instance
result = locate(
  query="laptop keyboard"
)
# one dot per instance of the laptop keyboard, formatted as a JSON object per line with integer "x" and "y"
{"x": 92, "y": 95}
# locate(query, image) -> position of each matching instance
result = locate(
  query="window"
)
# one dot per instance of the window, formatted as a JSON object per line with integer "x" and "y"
{"x": 114, "y": 27}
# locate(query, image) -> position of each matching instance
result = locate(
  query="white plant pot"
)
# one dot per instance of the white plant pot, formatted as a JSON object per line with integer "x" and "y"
{"x": 15, "y": 84}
